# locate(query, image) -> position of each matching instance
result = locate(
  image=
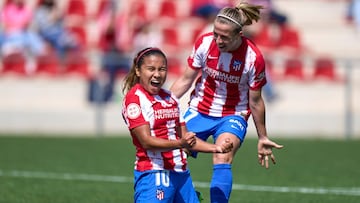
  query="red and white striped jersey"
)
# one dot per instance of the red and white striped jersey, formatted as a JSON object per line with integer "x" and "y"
{"x": 162, "y": 113}
{"x": 226, "y": 77}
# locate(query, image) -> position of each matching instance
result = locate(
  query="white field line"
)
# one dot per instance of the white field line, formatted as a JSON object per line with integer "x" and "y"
{"x": 122, "y": 179}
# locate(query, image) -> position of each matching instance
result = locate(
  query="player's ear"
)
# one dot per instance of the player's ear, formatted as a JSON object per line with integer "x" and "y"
{"x": 137, "y": 71}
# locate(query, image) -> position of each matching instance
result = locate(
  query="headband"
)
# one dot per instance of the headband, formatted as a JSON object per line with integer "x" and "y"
{"x": 232, "y": 20}
{"x": 141, "y": 54}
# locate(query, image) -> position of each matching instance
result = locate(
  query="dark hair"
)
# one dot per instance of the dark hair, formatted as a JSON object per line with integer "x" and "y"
{"x": 131, "y": 78}
{"x": 48, "y": 3}
{"x": 139, "y": 59}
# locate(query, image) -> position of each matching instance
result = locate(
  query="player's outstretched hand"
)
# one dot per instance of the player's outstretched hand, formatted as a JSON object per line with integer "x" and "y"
{"x": 265, "y": 151}
{"x": 225, "y": 147}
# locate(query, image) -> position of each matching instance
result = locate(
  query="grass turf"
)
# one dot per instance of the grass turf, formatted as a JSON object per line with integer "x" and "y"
{"x": 303, "y": 163}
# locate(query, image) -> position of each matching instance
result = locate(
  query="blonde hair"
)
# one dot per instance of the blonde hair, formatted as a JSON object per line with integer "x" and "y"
{"x": 131, "y": 78}
{"x": 241, "y": 15}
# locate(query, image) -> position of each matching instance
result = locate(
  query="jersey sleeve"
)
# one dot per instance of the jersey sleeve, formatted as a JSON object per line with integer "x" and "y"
{"x": 199, "y": 50}
{"x": 257, "y": 77}
{"x": 132, "y": 112}
{"x": 194, "y": 60}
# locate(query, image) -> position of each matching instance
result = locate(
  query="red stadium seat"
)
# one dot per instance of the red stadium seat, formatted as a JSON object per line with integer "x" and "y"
{"x": 48, "y": 64}
{"x": 294, "y": 69}
{"x": 170, "y": 36}
{"x": 290, "y": 37}
{"x": 270, "y": 70}
{"x": 196, "y": 32}
{"x": 324, "y": 68}
{"x": 14, "y": 63}
{"x": 174, "y": 66}
{"x": 102, "y": 5}
{"x": 76, "y": 7}
{"x": 139, "y": 11}
{"x": 171, "y": 43}
{"x": 168, "y": 8}
{"x": 75, "y": 13}
{"x": 76, "y": 63}
{"x": 262, "y": 37}
{"x": 80, "y": 34}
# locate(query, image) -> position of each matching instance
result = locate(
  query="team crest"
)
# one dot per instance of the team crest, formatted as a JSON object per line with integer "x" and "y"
{"x": 160, "y": 195}
{"x": 164, "y": 103}
{"x": 133, "y": 110}
{"x": 237, "y": 65}
{"x": 170, "y": 99}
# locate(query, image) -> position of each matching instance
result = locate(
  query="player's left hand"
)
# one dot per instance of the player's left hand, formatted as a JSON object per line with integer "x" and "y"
{"x": 225, "y": 147}
{"x": 188, "y": 140}
{"x": 265, "y": 151}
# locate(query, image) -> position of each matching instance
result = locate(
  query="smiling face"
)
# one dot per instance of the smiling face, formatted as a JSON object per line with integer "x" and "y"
{"x": 225, "y": 36}
{"x": 152, "y": 73}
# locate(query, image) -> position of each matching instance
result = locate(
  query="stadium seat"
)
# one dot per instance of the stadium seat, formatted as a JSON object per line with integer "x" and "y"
{"x": 14, "y": 63}
{"x": 197, "y": 28}
{"x": 76, "y": 63}
{"x": 139, "y": 10}
{"x": 81, "y": 34}
{"x": 262, "y": 38}
{"x": 48, "y": 64}
{"x": 270, "y": 70}
{"x": 168, "y": 8}
{"x": 324, "y": 68}
{"x": 171, "y": 43}
{"x": 174, "y": 66}
{"x": 75, "y": 13}
{"x": 76, "y": 7}
{"x": 170, "y": 36}
{"x": 290, "y": 38}
{"x": 102, "y": 6}
{"x": 293, "y": 69}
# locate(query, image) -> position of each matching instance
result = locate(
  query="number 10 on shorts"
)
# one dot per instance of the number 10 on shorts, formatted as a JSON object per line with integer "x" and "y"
{"x": 162, "y": 178}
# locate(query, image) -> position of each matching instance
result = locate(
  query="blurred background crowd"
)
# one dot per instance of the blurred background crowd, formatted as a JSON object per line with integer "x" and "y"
{"x": 94, "y": 41}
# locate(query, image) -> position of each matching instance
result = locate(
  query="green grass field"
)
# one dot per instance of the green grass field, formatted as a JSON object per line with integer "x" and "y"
{"x": 42, "y": 169}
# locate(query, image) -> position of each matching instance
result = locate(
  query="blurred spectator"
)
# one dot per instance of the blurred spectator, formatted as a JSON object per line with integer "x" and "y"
{"x": 114, "y": 53}
{"x": 200, "y": 7}
{"x": 49, "y": 21}
{"x": 17, "y": 37}
{"x": 208, "y": 14}
{"x": 114, "y": 48}
{"x": 353, "y": 14}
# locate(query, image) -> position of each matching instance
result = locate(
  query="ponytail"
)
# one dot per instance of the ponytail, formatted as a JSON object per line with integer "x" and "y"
{"x": 241, "y": 15}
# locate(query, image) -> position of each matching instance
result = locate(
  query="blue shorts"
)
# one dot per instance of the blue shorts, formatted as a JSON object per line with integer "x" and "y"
{"x": 204, "y": 126}
{"x": 164, "y": 186}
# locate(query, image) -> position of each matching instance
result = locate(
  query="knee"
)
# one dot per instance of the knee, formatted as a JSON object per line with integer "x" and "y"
{"x": 223, "y": 158}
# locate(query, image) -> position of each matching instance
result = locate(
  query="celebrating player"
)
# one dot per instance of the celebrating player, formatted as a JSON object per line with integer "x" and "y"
{"x": 227, "y": 92}
{"x": 159, "y": 135}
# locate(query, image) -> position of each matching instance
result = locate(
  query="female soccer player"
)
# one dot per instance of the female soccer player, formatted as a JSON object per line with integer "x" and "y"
{"x": 159, "y": 135}
{"x": 227, "y": 92}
